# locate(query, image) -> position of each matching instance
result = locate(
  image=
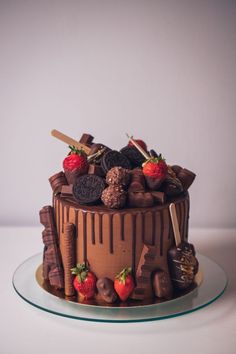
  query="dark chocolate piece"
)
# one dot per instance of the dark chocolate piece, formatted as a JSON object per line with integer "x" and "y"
{"x": 86, "y": 139}
{"x": 154, "y": 183}
{"x": 66, "y": 191}
{"x": 57, "y": 181}
{"x": 186, "y": 177}
{"x": 137, "y": 183}
{"x": 114, "y": 197}
{"x": 95, "y": 169}
{"x": 134, "y": 156}
{"x": 172, "y": 186}
{"x": 140, "y": 199}
{"x": 162, "y": 285}
{"x": 106, "y": 290}
{"x": 118, "y": 176}
{"x": 176, "y": 169}
{"x": 52, "y": 264}
{"x": 114, "y": 158}
{"x": 159, "y": 197}
{"x": 88, "y": 189}
{"x": 183, "y": 265}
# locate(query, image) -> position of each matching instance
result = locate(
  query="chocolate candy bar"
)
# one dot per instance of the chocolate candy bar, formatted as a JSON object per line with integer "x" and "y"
{"x": 106, "y": 290}
{"x": 137, "y": 183}
{"x": 57, "y": 181}
{"x": 140, "y": 199}
{"x": 183, "y": 264}
{"x": 86, "y": 139}
{"x": 186, "y": 177}
{"x": 159, "y": 197}
{"x": 66, "y": 191}
{"x": 88, "y": 189}
{"x": 134, "y": 156}
{"x": 172, "y": 186}
{"x": 114, "y": 158}
{"x": 162, "y": 285}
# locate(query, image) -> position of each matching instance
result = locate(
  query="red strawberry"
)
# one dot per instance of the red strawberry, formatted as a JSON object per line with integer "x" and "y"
{"x": 140, "y": 142}
{"x": 155, "y": 167}
{"x": 124, "y": 284}
{"x": 85, "y": 280}
{"x": 76, "y": 160}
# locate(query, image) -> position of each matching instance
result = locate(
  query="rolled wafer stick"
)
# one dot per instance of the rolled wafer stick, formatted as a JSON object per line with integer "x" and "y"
{"x": 175, "y": 224}
{"x": 66, "y": 139}
{"x": 140, "y": 149}
{"x": 68, "y": 257}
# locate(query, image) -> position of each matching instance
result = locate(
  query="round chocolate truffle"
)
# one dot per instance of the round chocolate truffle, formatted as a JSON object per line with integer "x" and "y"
{"x": 114, "y": 197}
{"x": 118, "y": 176}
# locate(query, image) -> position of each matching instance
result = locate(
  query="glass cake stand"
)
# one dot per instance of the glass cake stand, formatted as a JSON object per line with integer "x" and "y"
{"x": 210, "y": 285}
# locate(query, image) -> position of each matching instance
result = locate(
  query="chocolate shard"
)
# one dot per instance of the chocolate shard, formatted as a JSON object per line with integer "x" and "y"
{"x": 86, "y": 139}
{"x": 68, "y": 257}
{"x": 106, "y": 290}
{"x": 67, "y": 191}
{"x": 52, "y": 264}
{"x": 95, "y": 169}
{"x": 183, "y": 265}
{"x": 186, "y": 177}
{"x": 140, "y": 199}
{"x": 159, "y": 197}
{"x": 57, "y": 181}
{"x": 162, "y": 285}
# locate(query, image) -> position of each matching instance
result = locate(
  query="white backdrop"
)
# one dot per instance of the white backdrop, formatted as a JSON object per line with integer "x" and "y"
{"x": 163, "y": 71}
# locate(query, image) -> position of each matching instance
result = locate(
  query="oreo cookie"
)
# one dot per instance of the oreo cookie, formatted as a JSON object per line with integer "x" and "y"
{"x": 114, "y": 158}
{"x": 134, "y": 156}
{"x": 88, "y": 189}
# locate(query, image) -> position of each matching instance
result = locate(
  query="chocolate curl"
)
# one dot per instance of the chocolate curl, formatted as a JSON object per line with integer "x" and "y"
{"x": 57, "y": 181}
{"x": 68, "y": 257}
{"x": 140, "y": 149}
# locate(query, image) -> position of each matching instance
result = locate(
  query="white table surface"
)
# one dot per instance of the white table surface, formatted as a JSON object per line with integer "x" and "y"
{"x": 26, "y": 329}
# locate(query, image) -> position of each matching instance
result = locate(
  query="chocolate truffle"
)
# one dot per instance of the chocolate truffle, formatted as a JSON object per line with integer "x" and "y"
{"x": 106, "y": 290}
{"x": 118, "y": 176}
{"x": 114, "y": 197}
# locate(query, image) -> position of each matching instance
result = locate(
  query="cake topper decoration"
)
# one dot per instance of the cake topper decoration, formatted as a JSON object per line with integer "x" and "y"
{"x": 66, "y": 139}
{"x": 143, "y": 152}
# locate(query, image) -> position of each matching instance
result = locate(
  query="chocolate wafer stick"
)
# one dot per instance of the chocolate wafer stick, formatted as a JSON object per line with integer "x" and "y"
{"x": 66, "y": 139}
{"x": 140, "y": 149}
{"x": 68, "y": 257}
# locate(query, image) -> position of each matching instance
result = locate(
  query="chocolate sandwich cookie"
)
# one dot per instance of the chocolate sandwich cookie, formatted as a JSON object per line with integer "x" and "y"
{"x": 88, "y": 189}
{"x": 114, "y": 158}
{"x": 134, "y": 156}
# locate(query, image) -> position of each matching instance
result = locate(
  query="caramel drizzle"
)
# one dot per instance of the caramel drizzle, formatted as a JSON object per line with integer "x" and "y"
{"x": 85, "y": 235}
{"x": 92, "y": 229}
{"x": 100, "y": 227}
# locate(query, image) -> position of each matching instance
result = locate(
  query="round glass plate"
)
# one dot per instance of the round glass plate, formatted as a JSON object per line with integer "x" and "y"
{"x": 212, "y": 287}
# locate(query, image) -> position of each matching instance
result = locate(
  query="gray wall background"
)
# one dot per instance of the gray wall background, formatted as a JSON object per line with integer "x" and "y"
{"x": 163, "y": 71}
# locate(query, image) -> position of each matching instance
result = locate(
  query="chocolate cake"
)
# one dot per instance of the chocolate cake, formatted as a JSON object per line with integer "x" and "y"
{"x": 113, "y": 236}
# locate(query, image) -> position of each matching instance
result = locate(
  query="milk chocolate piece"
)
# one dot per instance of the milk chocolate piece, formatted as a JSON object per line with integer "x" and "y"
{"x": 183, "y": 265}
{"x": 95, "y": 169}
{"x": 186, "y": 177}
{"x": 134, "y": 156}
{"x": 86, "y": 139}
{"x": 162, "y": 285}
{"x": 67, "y": 245}
{"x": 52, "y": 265}
{"x": 57, "y": 181}
{"x": 137, "y": 183}
{"x": 159, "y": 197}
{"x": 66, "y": 191}
{"x": 114, "y": 158}
{"x": 172, "y": 186}
{"x": 88, "y": 189}
{"x": 154, "y": 183}
{"x": 140, "y": 199}
{"x": 106, "y": 290}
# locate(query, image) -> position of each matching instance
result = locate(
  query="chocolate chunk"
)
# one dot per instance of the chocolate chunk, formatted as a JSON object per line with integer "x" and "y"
{"x": 117, "y": 176}
{"x": 67, "y": 191}
{"x": 162, "y": 285}
{"x": 106, "y": 290}
{"x": 114, "y": 197}
{"x": 86, "y": 139}
{"x": 183, "y": 264}
{"x": 114, "y": 158}
{"x": 176, "y": 169}
{"x": 154, "y": 183}
{"x": 172, "y": 186}
{"x": 88, "y": 189}
{"x": 159, "y": 197}
{"x": 140, "y": 199}
{"x": 134, "y": 156}
{"x": 57, "y": 181}
{"x": 186, "y": 177}
{"x": 95, "y": 169}
{"x": 137, "y": 181}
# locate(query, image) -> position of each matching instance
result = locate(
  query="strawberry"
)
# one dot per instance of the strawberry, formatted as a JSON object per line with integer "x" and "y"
{"x": 140, "y": 143}
{"x": 76, "y": 160}
{"x": 155, "y": 167}
{"x": 85, "y": 280}
{"x": 124, "y": 284}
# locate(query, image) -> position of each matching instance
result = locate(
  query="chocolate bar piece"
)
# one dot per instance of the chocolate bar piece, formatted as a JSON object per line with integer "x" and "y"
{"x": 106, "y": 290}
{"x": 67, "y": 191}
{"x": 172, "y": 186}
{"x": 159, "y": 197}
{"x": 57, "y": 181}
{"x": 140, "y": 199}
{"x": 162, "y": 285}
{"x": 86, "y": 139}
{"x": 88, "y": 189}
{"x": 186, "y": 177}
{"x": 137, "y": 183}
{"x": 95, "y": 169}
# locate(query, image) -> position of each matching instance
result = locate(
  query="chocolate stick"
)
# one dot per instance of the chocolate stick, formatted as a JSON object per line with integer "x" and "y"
{"x": 68, "y": 257}
{"x": 175, "y": 224}
{"x": 140, "y": 149}
{"x": 66, "y": 139}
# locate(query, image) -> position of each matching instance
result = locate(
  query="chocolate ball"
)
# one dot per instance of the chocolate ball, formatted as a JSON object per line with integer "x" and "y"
{"x": 118, "y": 176}
{"x": 106, "y": 290}
{"x": 114, "y": 197}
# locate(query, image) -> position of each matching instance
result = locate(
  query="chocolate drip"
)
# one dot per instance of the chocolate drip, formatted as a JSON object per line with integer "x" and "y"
{"x": 161, "y": 233}
{"x": 76, "y": 223}
{"x": 100, "y": 227}
{"x": 143, "y": 226}
{"x": 153, "y": 228}
{"x": 122, "y": 231}
{"x": 85, "y": 235}
{"x": 92, "y": 229}
{"x": 134, "y": 220}
{"x": 110, "y": 218}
